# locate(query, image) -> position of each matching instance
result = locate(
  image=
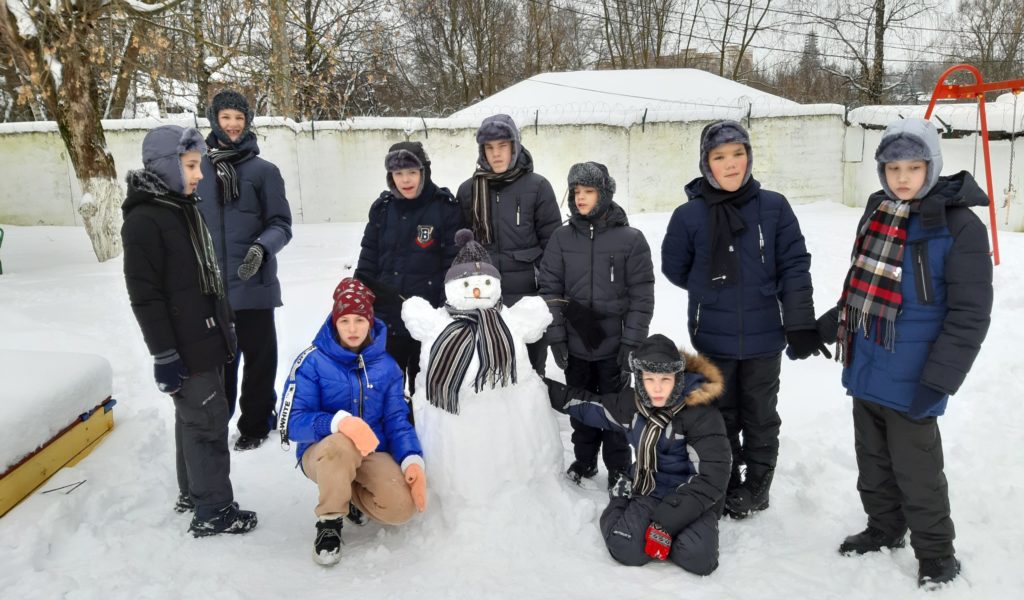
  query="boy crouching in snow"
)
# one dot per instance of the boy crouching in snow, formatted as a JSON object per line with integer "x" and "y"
{"x": 671, "y": 507}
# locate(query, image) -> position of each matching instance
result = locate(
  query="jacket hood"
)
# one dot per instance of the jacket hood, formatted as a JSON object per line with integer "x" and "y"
{"x": 910, "y": 139}
{"x": 327, "y": 342}
{"x": 143, "y": 186}
{"x": 705, "y": 388}
{"x": 952, "y": 191}
{"x": 613, "y": 216}
{"x": 249, "y": 144}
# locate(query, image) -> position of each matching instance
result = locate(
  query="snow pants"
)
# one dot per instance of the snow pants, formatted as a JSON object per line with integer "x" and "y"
{"x": 624, "y": 528}
{"x": 900, "y": 477}
{"x": 201, "y": 442}
{"x": 257, "y": 344}
{"x": 601, "y": 377}
{"x": 749, "y": 407}
{"x": 375, "y": 482}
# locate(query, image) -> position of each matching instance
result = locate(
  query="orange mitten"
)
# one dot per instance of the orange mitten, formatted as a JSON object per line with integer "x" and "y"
{"x": 417, "y": 481}
{"x": 360, "y": 433}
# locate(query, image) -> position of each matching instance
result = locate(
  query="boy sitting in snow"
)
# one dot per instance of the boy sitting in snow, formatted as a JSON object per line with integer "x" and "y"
{"x": 670, "y": 508}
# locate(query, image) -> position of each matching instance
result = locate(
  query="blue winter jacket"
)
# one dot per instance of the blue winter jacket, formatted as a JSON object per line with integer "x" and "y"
{"x": 261, "y": 215}
{"x": 327, "y": 378}
{"x": 694, "y": 456}
{"x": 747, "y": 319}
{"x": 947, "y": 302}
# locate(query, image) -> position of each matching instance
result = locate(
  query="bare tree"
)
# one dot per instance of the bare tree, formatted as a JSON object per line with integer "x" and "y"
{"x": 993, "y": 37}
{"x": 636, "y": 31}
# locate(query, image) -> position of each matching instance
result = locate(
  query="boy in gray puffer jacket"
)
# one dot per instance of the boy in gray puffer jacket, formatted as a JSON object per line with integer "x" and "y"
{"x": 598, "y": 279}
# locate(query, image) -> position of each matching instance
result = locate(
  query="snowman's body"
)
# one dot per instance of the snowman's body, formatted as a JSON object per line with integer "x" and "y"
{"x": 504, "y": 440}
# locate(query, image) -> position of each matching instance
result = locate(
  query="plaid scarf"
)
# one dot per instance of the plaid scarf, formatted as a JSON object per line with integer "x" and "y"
{"x": 647, "y": 450}
{"x": 210, "y": 282}
{"x": 452, "y": 352}
{"x": 872, "y": 288}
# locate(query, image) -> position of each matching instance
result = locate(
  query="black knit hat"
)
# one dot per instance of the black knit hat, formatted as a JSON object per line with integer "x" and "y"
{"x": 406, "y": 155}
{"x": 595, "y": 175}
{"x": 658, "y": 354}
{"x": 472, "y": 259}
{"x": 226, "y": 99}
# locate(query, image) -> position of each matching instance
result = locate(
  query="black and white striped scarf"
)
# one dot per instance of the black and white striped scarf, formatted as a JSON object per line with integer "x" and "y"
{"x": 452, "y": 352}
{"x": 210, "y": 282}
{"x": 647, "y": 451}
{"x": 224, "y": 160}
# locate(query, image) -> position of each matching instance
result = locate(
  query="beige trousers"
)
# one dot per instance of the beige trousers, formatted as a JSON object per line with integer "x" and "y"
{"x": 375, "y": 482}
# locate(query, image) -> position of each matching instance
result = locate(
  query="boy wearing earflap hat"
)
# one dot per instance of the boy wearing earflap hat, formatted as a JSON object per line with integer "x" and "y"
{"x": 407, "y": 246}
{"x": 669, "y": 508}
{"x": 244, "y": 204}
{"x": 915, "y": 308}
{"x": 737, "y": 249}
{"x": 598, "y": 279}
{"x": 179, "y": 301}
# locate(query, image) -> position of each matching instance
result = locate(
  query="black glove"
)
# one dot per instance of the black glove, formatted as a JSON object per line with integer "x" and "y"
{"x": 557, "y": 394}
{"x": 585, "y": 322}
{"x": 623, "y": 358}
{"x": 251, "y": 263}
{"x": 169, "y": 371}
{"x": 925, "y": 398}
{"x": 385, "y": 294}
{"x": 560, "y": 350}
{"x": 805, "y": 342}
{"x": 828, "y": 325}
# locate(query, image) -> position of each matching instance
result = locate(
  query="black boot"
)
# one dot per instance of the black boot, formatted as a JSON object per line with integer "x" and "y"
{"x": 184, "y": 504}
{"x": 614, "y": 475}
{"x": 327, "y": 546}
{"x": 750, "y": 497}
{"x": 579, "y": 470}
{"x": 933, "y": 572}
{"x": 871, "y": 539}
{"x": 735, "y": 478}
{"x": 245, "y": 442}
{"x": 355, "y": 515}
{"x": 621, "y": 486}
{"x": 229, "y": 519}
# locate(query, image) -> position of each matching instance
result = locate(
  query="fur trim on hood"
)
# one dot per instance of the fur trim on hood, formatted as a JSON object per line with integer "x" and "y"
{"x": 713, "y": 385}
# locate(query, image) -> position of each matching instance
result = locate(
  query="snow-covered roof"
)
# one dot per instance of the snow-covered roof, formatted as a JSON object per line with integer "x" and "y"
{"x": 608, "y": 96}
{"x": 1000, "y": 115}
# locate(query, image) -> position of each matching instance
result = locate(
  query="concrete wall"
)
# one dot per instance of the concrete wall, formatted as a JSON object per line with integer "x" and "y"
{"x": 333, "y": 171}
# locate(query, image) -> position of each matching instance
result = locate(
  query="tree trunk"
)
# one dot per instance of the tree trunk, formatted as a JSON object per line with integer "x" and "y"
{"x": 126, "y": 73}
{"x": 877, "y": 77}
{"x": 202, "y": 69}
{"x": 280, "y": 60}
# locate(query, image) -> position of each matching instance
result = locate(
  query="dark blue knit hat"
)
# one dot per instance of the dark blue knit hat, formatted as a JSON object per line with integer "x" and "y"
{"x": 226, "y": 99}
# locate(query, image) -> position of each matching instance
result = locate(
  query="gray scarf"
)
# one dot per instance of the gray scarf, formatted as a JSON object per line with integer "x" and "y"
{"x": 647, "y": 450}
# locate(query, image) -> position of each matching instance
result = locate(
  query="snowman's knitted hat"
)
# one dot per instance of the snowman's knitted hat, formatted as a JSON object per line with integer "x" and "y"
{"x": 472, "y": 259}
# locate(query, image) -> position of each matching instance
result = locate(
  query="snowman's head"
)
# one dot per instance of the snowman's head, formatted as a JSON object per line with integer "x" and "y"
{"x": 473, "y": 291}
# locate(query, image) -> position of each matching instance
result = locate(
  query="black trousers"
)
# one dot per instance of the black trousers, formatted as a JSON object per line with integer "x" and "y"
{"x": 749, "y": 406}
{"x": 201, "y": 442}
{"x": 601, "y": 377}
{"x": 406, "y": 352}
{"x": 900, "y": 477}
{"x": 257, "y": 348}
{"x": 624, "y": 528}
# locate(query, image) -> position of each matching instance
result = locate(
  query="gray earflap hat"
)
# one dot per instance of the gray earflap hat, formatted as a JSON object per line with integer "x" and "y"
{"x": 498, "y": 127}
{"x": 723, "y": 132}
{"x": 161, "y": 151}
{"x": 910, "y": 139}
{"x": 407, "y": 155}
{"x": 225, "y": 99}
{"x": 658, "y": 354}
{"x": 595, "y": 175}
{"x": 472, "y": 259}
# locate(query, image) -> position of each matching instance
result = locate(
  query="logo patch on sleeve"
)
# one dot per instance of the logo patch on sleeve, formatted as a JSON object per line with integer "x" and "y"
{"x": 424, "y": 235}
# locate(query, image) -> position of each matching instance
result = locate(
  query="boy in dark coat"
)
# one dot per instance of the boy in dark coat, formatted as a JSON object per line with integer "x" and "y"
{"x": 915, "y": 308}
{"x": 512, "y": 212}
{"x": 598, "y": 279}
{"x": 244, "y": 205}
{"x": 407, "y": 246}
{"x": 737, "y": 250}
{"x": 177, "y": 295}
{"x": 670, "y": 508}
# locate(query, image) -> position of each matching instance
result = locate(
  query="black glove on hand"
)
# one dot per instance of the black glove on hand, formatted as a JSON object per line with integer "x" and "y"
{"x": 585, "y": 322}
{"x": 251, "y": 263}
{"x": 925, "y": 398}
{"x": 169, "y": 371}
{"x": 805, "y": 342}
{"x": 623, "y": 358}
{"x": 557, "y": 394}
{"x": 828, "y": 325}
{"x": 560, "y": 350}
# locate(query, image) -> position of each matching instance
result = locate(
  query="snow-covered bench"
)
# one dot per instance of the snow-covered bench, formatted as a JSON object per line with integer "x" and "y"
{"x": 56, "y": 407}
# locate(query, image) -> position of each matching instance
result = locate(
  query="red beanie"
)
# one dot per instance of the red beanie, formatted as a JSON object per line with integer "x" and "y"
{"x": 352, "y": 297}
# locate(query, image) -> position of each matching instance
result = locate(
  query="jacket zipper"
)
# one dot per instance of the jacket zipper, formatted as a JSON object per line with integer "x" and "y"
{"x": 696, "y": 321}
{"x": 362, "y": 365}
{"x": 517, "y": 212}
{"x": 591, "y": 265}
{"x": 919, "y": 251}
{"x": 611, "y": 267}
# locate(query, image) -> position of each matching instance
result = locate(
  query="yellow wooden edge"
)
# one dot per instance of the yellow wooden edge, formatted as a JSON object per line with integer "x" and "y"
{"x": 68, "y": 449}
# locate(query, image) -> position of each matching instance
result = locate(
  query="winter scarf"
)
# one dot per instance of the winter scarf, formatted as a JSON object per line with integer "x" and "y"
{"x": 482, "y": 180}
{"x": 452, "y": 353}
{"x": 725, "y": 223}
{"x": 210, "y": 281}
{"x": 646, "y": 451}
{"x": 224, "y": 160}
{"x": 872, "y": 287}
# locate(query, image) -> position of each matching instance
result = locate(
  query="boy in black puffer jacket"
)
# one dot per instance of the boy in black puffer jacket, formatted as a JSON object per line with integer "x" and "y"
{"x": 598, "y": 280}
{"x": 670, "y": 508}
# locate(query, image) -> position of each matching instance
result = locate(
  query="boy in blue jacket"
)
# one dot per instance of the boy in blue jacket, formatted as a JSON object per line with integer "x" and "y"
{"x": 344, "y": 405}
{"x": 736, "y": 248}
{"x": 915, "y": 308}
{"x": 670, "y": 507}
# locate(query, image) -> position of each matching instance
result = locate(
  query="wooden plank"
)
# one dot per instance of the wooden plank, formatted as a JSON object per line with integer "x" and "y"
{"x": 68, "y": 448}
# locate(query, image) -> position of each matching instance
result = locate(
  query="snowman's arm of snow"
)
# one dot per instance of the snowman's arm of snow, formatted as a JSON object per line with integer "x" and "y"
{"x": 307, "y": 420}
{"x": 528, "y": 318}
{"x": 604, "y": 411}
{"x": 422, "y": 320}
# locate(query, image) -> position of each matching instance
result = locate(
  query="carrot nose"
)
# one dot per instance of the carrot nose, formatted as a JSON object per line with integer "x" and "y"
{"x": 476, "y": 292}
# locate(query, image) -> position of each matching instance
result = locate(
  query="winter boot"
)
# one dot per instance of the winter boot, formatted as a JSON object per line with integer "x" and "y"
{"x": 229, "y": 519}
{"x": 327, "y": 546}
{"x": 580, "y": 470}
{"x": 245, "y": 442}
{"x": 933, "y": 572}
{"x": 355, "y": 515}
{"x": 621, "y": 487}
{"x": 750, "y": 497}
{"x": 735, "y": 478}
{"x": 871, "y": 539}
{"x": 184, "y": 504}
{"x": 614, "y": 475}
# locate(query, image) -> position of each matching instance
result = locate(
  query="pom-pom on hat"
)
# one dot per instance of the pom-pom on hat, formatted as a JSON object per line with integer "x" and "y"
{"x": 352, "y": 297}
{"x": 472, "y": 259}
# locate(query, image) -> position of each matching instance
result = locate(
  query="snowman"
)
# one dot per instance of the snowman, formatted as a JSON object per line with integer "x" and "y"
{"x": 482, "y": 414}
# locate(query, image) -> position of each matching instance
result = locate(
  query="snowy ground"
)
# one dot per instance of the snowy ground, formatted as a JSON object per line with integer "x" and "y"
{"x": 115, "y": 536}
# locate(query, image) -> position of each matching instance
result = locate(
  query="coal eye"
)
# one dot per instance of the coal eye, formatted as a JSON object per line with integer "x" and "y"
{"x": 487, "y": 282}
{"x": 465, "y": 284}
